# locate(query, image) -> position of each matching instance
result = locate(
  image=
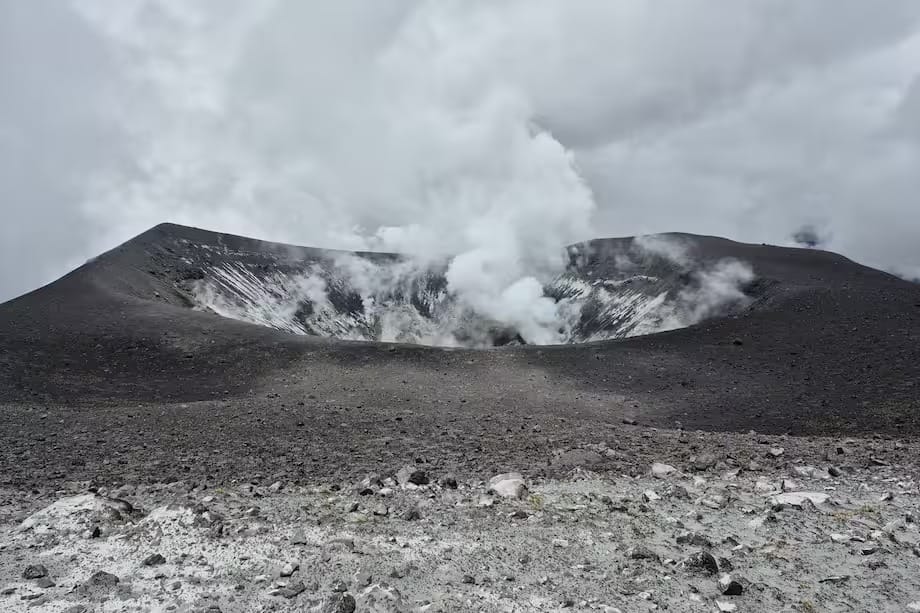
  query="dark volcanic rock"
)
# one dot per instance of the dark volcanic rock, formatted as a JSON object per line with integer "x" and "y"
{"x": 154, "y": 559}
{"x": 102, "y": 579}
{"x": 702, "y": 561}
{"x": 35, "y": 571}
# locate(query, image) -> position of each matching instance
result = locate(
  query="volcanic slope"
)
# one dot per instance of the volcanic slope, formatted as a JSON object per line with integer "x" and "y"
{"x": 819, "y": 344}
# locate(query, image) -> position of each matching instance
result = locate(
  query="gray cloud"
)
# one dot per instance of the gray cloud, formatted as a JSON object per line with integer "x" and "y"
{"x": 453, "y": 127}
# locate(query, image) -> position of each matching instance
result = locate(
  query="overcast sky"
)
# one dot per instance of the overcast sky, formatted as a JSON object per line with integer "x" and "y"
{"x": 431, "y": 126}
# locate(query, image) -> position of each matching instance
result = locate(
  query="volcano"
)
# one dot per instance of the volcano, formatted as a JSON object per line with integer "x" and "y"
{"x": 801, "y": 339}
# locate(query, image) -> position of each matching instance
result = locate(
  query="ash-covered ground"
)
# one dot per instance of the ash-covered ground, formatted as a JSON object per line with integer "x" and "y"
{"x": 212, "y": 453}
{"x": 742, "y": 522}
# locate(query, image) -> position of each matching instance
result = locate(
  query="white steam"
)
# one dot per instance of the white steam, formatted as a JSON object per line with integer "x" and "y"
{"x": 410, "y": 146}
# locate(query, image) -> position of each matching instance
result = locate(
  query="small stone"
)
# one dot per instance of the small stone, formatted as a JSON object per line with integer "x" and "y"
{"x": 289, "y": 569}
{"x": 103, "y": 579}
{"x": 399, "y": 572}
{"x": 290, "y": 591}
{"x": 339, "y": 586}
{"x": 468, "y": 580}
{"x": 275, "y": 487}
{"x": 833, "y": 471}
{"x": 694, "y": 538}
{"x": 835, "y": 579}
{"x": 77, "y": 608}
{"x": 713, "y": 502}
{"x": 411, "y": 474}
{"x": 650, "y": 496}
{"x": 44, "y": 583}
{"x": 775, "y": 452}
{"x": 381, "y": 510}
{"x": 660, "y": 471}
{"x": 640, "y": 552}
{"x": 449, "y": 482}
{"x": 703, "y": 561}
{"x": 485, "y": 501}
{"x": 703, "y": 462}
{"x": 797, "y": 499}
{"x": 35, "y": 571}
{"x": 730, "y": 587}
{"x": 340, "y": 603}
{"x": 630, "y": 421}
{"x": 508, "y": 485}
{"x": 299, "y": 537}
{"x": 154, "y": 560}
{"x": 725, "y": 607}
{"x": 412, "y": 514}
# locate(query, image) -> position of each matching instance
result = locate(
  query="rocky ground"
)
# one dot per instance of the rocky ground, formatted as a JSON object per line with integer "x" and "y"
{"x": 743, "y": 523}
